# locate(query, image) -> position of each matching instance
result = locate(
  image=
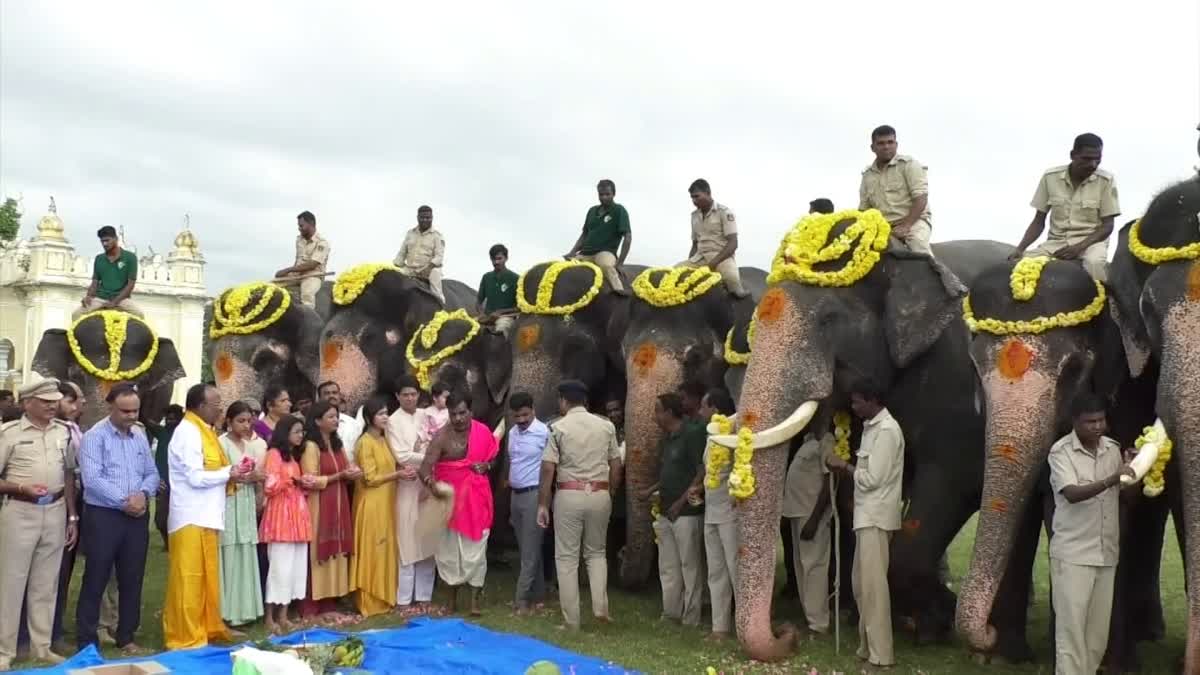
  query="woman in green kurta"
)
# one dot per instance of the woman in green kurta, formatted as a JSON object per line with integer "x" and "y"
{"x": 241, "y": 592}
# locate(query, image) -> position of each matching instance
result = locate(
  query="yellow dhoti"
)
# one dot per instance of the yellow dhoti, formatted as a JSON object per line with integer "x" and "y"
{"x": 192, "y": 615}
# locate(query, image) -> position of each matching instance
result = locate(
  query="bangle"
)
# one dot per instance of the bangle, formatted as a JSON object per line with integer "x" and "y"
{"x": 72, "y": 519}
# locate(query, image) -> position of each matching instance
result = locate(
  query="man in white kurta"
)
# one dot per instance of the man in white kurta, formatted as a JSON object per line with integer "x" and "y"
{"x": 416, "y": 553}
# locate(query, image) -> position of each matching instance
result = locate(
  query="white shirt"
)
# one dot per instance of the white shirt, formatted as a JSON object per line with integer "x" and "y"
{"x": 197, "y": 496}
{"x": 879, "y": 475}
{"x": 402, "y": 437}
{"x": 348, "y": 430}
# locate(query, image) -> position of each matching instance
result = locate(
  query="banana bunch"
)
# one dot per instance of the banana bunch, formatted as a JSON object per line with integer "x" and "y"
{"x": 349, "y": 652}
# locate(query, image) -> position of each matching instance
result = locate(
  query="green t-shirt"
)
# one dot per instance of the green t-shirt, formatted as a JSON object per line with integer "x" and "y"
{"x": 498, "y": 291}
{"x": 681, "y": 455}
{"x": 604, "y": 228}
{"x": 113, "y": 275}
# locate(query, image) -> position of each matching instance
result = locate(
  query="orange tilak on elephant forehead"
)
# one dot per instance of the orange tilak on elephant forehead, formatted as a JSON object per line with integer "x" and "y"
{"x": 528, "y": 337}
{"x": 770, "y": 308}
{"x": 1008, "y": 453}
{"x": 1013, "y": 359}
{"x": 331, "y": 351}
{"x": 103, "y": 386}
{"x": 1193, "y": 282}
{"x": 644, "y": 357}
{"x": 223, "y": 366}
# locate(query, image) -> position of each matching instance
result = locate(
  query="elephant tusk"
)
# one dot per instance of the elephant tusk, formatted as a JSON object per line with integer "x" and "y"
{"x": 714, "y": 431}
{"x": 1146, "y": 456}
{"x": 499, "y": 432}
{"x": 778, "y": 434}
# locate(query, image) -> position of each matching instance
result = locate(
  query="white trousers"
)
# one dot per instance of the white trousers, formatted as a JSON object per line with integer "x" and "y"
{"x": 720, "y": 549}
{"x": 287, "y": 574}
{"x": 416, "y": 582}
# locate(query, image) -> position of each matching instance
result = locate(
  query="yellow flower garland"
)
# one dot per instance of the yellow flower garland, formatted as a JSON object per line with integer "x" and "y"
{"x": 545, "y": 289}
{"x": 1025, "y": 276}
{"x": 734, "y": 357}
{"x": 116, "y": 330}
{"x": 429, "y": 333}
{"x": 718, "y": 455}
{"x": 1037, "y": 325}
{"x": 229, "y": 310}
{"x": 1157, "y": 256}
{"x": 805, "y": 245}
{"x": 1153, "y": 483}
{"x": 351, "y": 283}
{"x": 741, "y": 478}
{"x": 841, "y": 435}
{"x": 676, "y": 286}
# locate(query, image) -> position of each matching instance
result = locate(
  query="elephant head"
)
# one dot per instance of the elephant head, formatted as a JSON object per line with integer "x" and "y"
{"x": 1155, "y": 282}
{"x": 454, "y": 349}
{"x": 258, "y": 336}
{"x": 570, "y": 327}
{"x": 376, "y": 309}
{"x": 677, "y": 324}
{"x": 106, "y": 347}
{"x": 1032, "y": 362}
{"x": 840, "y": 306}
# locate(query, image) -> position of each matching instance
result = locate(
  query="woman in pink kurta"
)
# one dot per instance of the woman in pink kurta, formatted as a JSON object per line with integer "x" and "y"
{"x": 285, "y": 525}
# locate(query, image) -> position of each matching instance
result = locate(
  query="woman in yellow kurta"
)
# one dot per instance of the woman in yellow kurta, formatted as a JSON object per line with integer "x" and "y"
{"x": 374, "y": 569}
{"x": 329, "y": 511}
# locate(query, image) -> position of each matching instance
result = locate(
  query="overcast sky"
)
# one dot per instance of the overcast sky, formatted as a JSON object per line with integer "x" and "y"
{"x": 502, "y": 116}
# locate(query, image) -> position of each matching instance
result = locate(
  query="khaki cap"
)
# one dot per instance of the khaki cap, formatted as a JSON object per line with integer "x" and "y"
{"x": 46, "y": 389}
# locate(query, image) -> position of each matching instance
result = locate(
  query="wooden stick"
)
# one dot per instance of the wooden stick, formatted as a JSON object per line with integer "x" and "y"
{"x": 293, "y": 280}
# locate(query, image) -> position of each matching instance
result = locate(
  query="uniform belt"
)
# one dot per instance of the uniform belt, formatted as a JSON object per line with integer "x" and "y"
{"x": 586, "y": 486}
{"x": 521, "y": 491}
{"x": 46, "y": 500}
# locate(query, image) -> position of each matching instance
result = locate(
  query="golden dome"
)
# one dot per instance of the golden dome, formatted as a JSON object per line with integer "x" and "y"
{"x": 51, "y": 226}
{"x": 186, "y": 244}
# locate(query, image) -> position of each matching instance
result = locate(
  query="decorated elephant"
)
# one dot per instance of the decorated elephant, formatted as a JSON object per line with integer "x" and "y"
{"x": 453, "y": 348}
{"x": 106, "y": 347}
{"x": 376, "y": 311}
{"x": 260, "y": 335}
{"x": 843, "y": 305}
{"x": 677, "y": 325}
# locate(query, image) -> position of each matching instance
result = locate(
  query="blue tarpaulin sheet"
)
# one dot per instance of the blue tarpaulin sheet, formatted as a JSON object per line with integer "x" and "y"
{"x": 422, "y": 646}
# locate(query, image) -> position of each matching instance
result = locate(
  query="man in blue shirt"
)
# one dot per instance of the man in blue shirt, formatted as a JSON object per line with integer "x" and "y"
{"x": 526, "y": 443}
{"x": 119, "y": 480}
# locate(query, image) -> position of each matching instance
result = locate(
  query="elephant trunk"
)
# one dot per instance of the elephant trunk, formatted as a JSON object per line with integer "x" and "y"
{"x": 343, "y": 361}
{"x": 651, "y": 371}
{"x": 536, "y": 373}
{"x": 1020, "y": 430}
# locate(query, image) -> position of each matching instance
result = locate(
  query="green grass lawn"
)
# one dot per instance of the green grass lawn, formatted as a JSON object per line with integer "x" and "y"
{"x": 638, "y": 640}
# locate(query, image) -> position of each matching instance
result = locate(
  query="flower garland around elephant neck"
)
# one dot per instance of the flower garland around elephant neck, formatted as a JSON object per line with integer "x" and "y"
{"x": 545, "y": 290}
{"x": 229, "y": 311}
{"x": 718, "y": 455}
{"x": 1025, "y": 276}
{"x": 734, "y": 357}
{"x": 351, "y": 283}
{"x": 841, "y": 435}
{"x": 676, "y": 285}
{"x": 428, "y": 335}
{"x": 116, "y": 331}
{"x": 1036, "y": 325}
{"x": 741, "y": 478}
{"x": 1157, "y": 256}
{"x": 805, "y": 245}
{"x": 1153, "y": 483}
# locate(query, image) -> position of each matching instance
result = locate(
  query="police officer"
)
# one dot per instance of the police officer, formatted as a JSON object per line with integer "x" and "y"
{"x": 38, "y": 519}
{"x": 714, "y": 238}
{"x": 312, "y": 255}
{"x": 582, "y": 451}
{"x": 898, "y": 187}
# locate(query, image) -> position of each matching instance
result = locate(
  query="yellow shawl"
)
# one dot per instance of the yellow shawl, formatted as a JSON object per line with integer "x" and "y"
{"x": 214, "y": 454}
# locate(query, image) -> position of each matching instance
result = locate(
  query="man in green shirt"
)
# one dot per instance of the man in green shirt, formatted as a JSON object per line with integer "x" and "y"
{"x": 114, "y": 274}
{"x": 497, "y": 299}
{"x": 605, "y": 229}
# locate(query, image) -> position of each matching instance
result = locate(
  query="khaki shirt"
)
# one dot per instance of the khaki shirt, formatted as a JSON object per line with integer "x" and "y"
{"x": 420, "y": 250}
{"x": 880, "y": 474}
{"x": 805, "y": 477}
{"x": 711, "y": 231}
{"x": 1088, "y": 532}
{"x": 312, "y": 250}
{"x": 29, "y": 455}
{"x": 581, "y": 444}
{"x": 1075, "y": 211}
{"x": 893, "y": 189}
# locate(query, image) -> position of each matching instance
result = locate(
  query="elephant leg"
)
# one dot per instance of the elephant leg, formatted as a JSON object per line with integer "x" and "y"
{"x": 789, "y": 559}
{"x": 1011, "y": 607}
{"x": 1137, "y": 605}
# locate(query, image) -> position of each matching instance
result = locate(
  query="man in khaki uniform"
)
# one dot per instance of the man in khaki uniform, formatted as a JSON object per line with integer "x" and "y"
{"x": 1085, "y": 475}
{"x": 38, "y": 518}
{"x": 806, "y": 506}
{"x": 897, "y": 186}
{"x": 1082, "y": 203}
{"x": 422, "y": 252}
{"x": 312, "y": 254}
{"x": 714, "y": 237}
{"x": 877, "y": 481}
{"x": 582, "y": 450}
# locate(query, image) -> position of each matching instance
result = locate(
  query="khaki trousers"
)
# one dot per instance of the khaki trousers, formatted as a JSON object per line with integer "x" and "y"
{"x": 681, "y": 567}
{"x": 812, "y": 572}
{"x": 95, "y": 304}
{"x": 720, "y": 548}
{"x": 1094, "y": 258}
{"x": 607, "y": 262}
{"x": 917, "y": 237}
{"x": 869, "y": 577}
{"x": 728, "y": 270}
{"x": 33, "y": 539}
{"x": 581, "y": 526}
{"x": 434, "y": 279}
{"x": 1082, "y": 596}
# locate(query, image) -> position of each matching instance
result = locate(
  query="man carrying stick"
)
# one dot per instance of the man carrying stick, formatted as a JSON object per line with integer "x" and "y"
{"x": 312, "y": 254}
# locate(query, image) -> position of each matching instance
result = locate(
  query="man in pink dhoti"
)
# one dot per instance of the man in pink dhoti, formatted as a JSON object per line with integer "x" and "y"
{"x": 461, "y": 456}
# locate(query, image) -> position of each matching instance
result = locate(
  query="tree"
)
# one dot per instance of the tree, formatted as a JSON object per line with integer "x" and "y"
{"x": 10, "y": 219}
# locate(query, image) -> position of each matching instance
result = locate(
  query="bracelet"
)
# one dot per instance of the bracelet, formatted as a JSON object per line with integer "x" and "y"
{"x": 72, "y": 519}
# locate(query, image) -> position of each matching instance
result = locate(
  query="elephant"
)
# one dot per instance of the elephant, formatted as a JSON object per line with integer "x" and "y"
{"x": 480, "y": 361}
{"x": 149, "y": 361}
{"x": 260, "y": 335}
{"x": 873, "y": 310}
{"x": 664, "y": 346}
{"x": 376, "y": 310}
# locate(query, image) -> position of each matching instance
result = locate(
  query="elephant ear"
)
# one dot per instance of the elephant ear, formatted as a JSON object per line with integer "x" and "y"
{"x": 497, "y": 354}
{"x": 1125, "y": 278}
{"x": 166, "y": 369}
{"x": 53, "y": 355}
{"x": 308, "y": 342}
{"x": 923, "y": 297}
